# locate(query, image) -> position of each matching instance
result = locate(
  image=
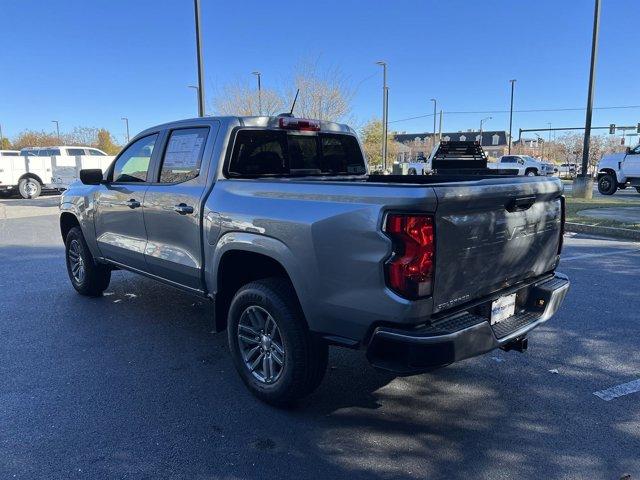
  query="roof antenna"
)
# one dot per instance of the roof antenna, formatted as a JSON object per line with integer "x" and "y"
{"x": 293, "y": 105}
{"x": 290, "y": 113}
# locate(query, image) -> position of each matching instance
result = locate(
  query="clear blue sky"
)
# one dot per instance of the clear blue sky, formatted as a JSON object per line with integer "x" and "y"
{"x": 88, "y": 63}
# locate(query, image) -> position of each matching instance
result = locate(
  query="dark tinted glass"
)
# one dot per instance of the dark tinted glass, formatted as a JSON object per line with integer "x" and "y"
{"x": 10, "y": 154}
{"x": 183, "y": 155}
{"x": 75, "y": 151}
{"x": 273, "y": 152}
{"x": 509, "y": 160}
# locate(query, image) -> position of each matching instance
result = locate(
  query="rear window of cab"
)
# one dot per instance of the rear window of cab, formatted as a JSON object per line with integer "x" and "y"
{"x": 260, "y": 152}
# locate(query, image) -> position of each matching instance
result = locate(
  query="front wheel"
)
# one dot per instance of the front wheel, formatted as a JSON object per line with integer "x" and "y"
{"x": 277, "y": 357}
{"x": 87, "y": 277}
{"x": 29, "y": 188}
{"x": 607, "y": 184}
{"x": 531, "y": 173}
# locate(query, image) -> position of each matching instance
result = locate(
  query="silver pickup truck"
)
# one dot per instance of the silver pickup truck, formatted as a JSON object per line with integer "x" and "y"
{"x": 277, "y": 221}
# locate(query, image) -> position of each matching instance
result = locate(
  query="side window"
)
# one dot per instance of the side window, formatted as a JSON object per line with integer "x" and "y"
{"x": 75, "y": 151}
{"x": 133, "y": 164}
{"x": 96, "y": 153}
{"x": 183, "y": 155}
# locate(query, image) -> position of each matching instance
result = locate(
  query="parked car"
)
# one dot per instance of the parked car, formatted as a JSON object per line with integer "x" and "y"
{"x": 567, "y": 170}
{"x": 71, "y": 151}
{"x": 526, "y": 165}
{"x": 278, "y": 223}
{"x": 619, "y": 170}
{"x": 34, "y": 169}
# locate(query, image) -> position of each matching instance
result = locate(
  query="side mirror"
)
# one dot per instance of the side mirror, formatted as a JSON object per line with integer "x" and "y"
{"x": 628, "y": 150}
{"x": 91, "y": 176}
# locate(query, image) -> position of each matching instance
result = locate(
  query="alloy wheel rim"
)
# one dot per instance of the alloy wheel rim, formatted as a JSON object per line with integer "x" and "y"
{"x": 76, "y": 262}
{"x": 261, "y": 344}
{"x": 30, "y": 188}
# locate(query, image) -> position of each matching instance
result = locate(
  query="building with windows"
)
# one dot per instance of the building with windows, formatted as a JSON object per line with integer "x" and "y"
{"x": 417, "y": 145}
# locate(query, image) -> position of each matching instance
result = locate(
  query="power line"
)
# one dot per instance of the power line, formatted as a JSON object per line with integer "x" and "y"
{"x": 533, "y": 110}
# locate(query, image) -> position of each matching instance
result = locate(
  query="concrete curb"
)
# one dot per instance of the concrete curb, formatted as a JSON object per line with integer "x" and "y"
{"x": 626, "y": 233}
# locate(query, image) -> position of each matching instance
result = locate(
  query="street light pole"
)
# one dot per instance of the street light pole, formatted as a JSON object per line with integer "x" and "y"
{"x": 434, "y": 120}
{"x": 126, "y": 121}
{"x": 481, "y": 122}
{"x": 258, "y": 75}
{"x": 584, "y": 184}
{"x": 384, "y": 113}
{"x": 513, "y": 82}
{"x": 200, "y": 61}
{"x": 57, "y": 128}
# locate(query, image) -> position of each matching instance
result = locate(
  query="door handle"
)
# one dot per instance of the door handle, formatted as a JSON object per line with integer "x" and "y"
{"x": 133, "y": 203}
{"x": 520, "y": 204}
{"x": 183, "y": 209}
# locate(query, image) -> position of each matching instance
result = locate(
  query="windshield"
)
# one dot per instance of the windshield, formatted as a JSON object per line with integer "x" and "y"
{"x": 281, "y": 153}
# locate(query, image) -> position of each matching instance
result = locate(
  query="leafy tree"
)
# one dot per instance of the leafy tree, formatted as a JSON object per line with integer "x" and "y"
{"x": 32, "y": 138}
{"x": 5, "y": 144}
{"x": 371, "y": 136}
{"x": 105, "y": 142}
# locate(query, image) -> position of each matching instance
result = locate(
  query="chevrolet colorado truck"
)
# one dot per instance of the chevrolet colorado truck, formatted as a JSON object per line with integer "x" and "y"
{"x": 277, "y": 221}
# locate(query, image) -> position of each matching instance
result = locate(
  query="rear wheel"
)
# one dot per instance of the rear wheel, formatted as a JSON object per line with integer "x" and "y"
{"x": 607, "y": 184}
{"x": 29, "y": 188}
{"x": 530, "y": 173}
{"x": 87, "y": 277}
{"x": 637, "y": 189}
{"x": 277, "y": 357}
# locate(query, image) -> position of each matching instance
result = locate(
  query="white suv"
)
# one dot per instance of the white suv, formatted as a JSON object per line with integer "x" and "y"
{"x": 526, "y": 165}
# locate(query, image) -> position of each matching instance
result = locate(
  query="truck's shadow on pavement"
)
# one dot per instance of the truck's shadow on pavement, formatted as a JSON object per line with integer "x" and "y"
{"x": 134, "y": 383}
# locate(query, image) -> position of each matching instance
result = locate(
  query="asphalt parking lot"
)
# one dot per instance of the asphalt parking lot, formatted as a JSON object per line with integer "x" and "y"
{"x": 135, "y": 385}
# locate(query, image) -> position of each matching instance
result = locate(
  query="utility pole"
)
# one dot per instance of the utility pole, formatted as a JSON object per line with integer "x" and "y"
{"x": 434, "y": 120}
{"x": 481, "y": 122}
{"x": 513, "y": 82}
{"x": 440, "y": 128}
{"x": 196, "y": 4}
{"x": 57, "y": 128}
{"x": 384, "y": 113}
{"x": 583, "y": 186}
{"x": 258, "y": 75}
{"x": 126, "y": 122}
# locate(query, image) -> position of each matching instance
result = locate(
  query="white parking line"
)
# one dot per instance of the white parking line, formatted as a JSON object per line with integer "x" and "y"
{"x": 618, "y": 390}
{"x": 603, "y": 254}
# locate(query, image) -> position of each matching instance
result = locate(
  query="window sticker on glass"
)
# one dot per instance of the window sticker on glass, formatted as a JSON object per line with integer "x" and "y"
{"x": 183, "y": 155}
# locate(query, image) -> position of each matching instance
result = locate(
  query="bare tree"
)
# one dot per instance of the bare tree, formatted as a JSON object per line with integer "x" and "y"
{"x": 324, "y": 94}
{"x": 241, "y": 99}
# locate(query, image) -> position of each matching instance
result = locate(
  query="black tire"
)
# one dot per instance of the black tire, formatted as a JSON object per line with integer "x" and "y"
{"x": 29, "y": 187}
{"x": 95, "y": 277}
{"x": 305, "y": 355}
{"x": 607, "y": 184}
{"x": 412, "y": 171}
{"x": 637, "y": 189}
{"x": 530, "y": 173}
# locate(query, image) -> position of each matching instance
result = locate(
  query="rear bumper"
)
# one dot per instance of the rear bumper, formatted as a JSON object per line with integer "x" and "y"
{"x": 465, "y": 334}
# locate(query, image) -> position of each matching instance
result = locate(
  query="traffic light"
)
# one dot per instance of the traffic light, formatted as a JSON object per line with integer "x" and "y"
{"x": 612, "y": 128}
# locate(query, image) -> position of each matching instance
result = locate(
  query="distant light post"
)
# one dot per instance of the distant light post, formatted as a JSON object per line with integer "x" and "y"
{"x": 434, "y": 120}
{"x": 57, "y": 128}
{"x": 549, "y": 123}
{"x": 540, "y": 140}
{"x": 583, "y": 187}
{"x": 196, "y": 4}
{"x": 513, "y": 82}
{"x": 384, "y": 113}
{"x": 195, "y": 87}
{"x": 481, "y": 122}
{"x": 258, "y": 75}
{"x": 126, "y": 121}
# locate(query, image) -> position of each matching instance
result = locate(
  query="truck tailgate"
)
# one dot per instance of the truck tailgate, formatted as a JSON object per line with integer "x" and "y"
{"x": 493, "y": 234}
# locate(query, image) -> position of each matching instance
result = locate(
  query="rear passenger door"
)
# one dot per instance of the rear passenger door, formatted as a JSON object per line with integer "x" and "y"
{"x": 172, "y": 206}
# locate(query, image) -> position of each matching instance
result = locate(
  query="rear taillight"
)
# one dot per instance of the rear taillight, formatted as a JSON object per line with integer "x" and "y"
{"x": 410, "y": 269}
{"x": 301, "y": 124}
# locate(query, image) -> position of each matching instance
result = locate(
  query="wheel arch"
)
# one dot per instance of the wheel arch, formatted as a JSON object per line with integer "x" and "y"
{"x": 31, "y": 175}
{"x": 242, "y": 258}
{"x": 67, "y": 221}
